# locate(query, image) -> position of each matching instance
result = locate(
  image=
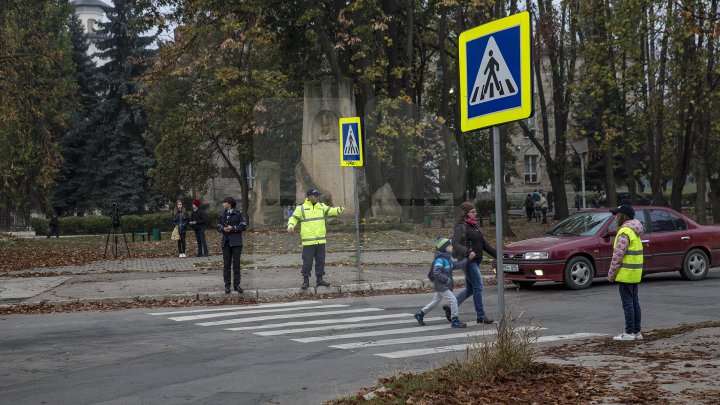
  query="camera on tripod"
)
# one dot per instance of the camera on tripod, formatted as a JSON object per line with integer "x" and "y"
{"x": 115, "y": 230}
{"x": 115, "y": 216}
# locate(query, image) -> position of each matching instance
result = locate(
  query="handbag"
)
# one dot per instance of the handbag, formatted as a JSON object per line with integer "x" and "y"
{"x": 175, "y": 234}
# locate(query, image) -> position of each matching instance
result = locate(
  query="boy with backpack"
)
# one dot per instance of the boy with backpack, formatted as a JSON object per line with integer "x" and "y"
{"x": 441, "y": 275}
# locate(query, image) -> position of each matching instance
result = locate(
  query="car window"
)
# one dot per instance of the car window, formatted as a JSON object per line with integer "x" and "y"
{"x": 585, "y": 224}
{"x": 666, "y": 221}
{"x": 639, "y": 215}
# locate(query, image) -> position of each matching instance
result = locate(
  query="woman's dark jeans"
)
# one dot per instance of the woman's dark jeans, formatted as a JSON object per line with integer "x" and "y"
{"x": 474, "y": 287}
{"x": 631, "y": 306}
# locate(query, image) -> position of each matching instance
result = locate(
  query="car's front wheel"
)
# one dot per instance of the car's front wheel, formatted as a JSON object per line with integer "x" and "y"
{"x": 695, "y": 265}
{"x": 579, "y": 272}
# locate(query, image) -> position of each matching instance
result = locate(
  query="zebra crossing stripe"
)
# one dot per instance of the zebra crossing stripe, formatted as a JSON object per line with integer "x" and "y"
{"x": 252, "y": 311}
{"x": 343, "y": 326}
{"x": 420, "y": 339}
{"x": 339, "y": 323}
{"x": 454, "y": 348}
{"x": 285, "y": 316}
{"x": 400, "y": 331}
{"x": 233, "y": 308}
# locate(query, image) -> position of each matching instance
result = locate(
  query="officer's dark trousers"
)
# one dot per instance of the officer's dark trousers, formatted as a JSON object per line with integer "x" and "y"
{"x": 231, "y": 253}
{"x": 311, "y": 252}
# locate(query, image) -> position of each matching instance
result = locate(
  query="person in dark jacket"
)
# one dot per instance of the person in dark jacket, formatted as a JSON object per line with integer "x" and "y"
{"x": 180, "y": 219}
{"x": 529, "y": 207}
{"x": 231, "y": 224}
{"x": 467, "y": 239}
{"x": 54, "y": 225}
{"x": 199, "y": 220}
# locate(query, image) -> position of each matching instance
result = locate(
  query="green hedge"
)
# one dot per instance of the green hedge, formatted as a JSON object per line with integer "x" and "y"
{"x": 96, "y": 224}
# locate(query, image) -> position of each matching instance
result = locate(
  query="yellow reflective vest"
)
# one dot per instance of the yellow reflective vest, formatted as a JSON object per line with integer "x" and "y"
{"x": 312, "y": 217}
{"x": 631, "y": 268}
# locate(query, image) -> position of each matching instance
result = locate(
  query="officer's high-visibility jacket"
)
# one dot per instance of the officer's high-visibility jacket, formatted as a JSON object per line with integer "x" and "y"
{"x": 312, "y": 217}
{"x": 631, "y": 268}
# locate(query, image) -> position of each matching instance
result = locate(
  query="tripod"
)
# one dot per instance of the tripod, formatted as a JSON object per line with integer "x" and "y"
{"x": 114, "y": 228}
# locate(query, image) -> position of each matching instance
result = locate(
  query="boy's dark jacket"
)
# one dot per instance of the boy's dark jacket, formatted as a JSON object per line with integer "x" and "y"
{"x": 236, "y": 219}
{"x": 442, "y": 270}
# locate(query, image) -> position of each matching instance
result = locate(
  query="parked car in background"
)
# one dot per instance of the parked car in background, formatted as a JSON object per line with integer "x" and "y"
{"x": 579, "y": 248}
{"x": 623, "y": 197}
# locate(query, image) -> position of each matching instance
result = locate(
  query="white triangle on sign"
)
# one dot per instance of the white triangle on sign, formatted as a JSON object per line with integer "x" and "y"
{"x": 351, "y": 147}
{"x": 494, "y": 79}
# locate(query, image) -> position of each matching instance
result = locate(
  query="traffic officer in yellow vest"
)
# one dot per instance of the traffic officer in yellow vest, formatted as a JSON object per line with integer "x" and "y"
{"x": 626, "y": 268}
{"x": 312, "y": 214}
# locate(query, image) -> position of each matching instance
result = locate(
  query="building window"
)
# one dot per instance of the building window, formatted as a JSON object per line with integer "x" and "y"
{"x": 508, "y": 178}
{"x": 531, "y": 168}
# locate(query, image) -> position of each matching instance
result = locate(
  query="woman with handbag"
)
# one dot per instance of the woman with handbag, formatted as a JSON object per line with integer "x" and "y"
{"x": 467, "y": 238}
{"x": 180, "y": 220}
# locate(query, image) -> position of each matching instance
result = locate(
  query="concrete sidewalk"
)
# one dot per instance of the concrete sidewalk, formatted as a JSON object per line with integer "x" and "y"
{"x": 263, "y": 276}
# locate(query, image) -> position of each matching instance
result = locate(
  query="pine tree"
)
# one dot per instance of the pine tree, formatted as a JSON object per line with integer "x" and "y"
{"x": 67, "y": 199}
{"x": 118, "y": 160}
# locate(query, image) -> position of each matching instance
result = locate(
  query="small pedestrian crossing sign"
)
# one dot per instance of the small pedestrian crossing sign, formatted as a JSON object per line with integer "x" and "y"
{"x": 495, "y": 73}
{"x": 351, "y": 152}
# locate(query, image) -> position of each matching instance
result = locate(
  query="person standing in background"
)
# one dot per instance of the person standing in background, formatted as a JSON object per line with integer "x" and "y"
{"x": 199, "y": 220}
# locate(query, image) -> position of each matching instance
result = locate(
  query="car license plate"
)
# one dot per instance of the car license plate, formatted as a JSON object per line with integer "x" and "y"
{"x": 510, "y": 268}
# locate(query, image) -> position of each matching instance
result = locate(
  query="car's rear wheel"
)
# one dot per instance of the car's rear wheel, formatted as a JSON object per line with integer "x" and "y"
{"x": 524, "y": 284}
{"x": 579, "y": 272}
{"x": 695, "y": 265}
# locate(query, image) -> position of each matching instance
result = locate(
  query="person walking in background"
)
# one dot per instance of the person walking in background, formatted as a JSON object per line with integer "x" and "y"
{"x": 54, "y": 225}
{"x": 199, "y": 220}
{"x": 180, "y": 220}
{"x": 441, "y": 272}
{"x": 231, "y": 224}
{"x": 311, "y": 215}
{"x": 469, "y": 241}
{"x": 529, "y": 207}
{"x": 578, "y": 201}
{"x": 543, "y": 204}
{"x": 626, "y": 268}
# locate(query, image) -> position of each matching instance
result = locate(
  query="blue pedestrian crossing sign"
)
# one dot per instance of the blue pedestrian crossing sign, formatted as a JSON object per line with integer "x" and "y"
{"x": 351, "y": 145}
{"x": 495, "y": 73}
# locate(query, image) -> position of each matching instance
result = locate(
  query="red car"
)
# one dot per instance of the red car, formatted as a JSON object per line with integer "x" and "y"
{"x": 579, "y": 248}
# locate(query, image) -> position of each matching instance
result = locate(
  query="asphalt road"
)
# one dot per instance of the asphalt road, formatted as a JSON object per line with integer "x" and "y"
{"x": 190, "y": 355}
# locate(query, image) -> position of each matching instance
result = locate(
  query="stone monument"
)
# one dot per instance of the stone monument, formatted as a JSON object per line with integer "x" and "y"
{"x": 265, "y": 201}
{"x": 384, "y": 204}
{"x": 325, "y": 102}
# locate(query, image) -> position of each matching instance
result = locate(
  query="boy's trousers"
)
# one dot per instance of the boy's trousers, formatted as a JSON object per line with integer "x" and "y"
{"x": 449, "y": 297}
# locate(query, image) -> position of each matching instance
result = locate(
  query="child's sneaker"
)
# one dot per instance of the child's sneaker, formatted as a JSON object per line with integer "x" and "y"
{"x": 624, "y": 336}
{"x": 639, "y": 336}
{"x": 419, "y": 315}
{"x": 446, "y": 308}
{"x": 456, "y": 323}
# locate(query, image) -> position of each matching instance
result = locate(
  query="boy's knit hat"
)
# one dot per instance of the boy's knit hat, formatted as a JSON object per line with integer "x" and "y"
{"x": 442, "y": 244}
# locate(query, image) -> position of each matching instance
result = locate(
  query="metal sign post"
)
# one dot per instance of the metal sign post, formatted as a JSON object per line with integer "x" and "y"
{"x": 496, "y": 86}
{"x": 581, "y": 147}
{"x": 351, "y": 155}
{"x": 499, "y": 222}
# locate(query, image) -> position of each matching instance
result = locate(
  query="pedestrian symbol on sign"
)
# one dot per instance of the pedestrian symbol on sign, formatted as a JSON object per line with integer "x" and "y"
{"x": 494, "y": 79}
{"x": 351, "y": 146}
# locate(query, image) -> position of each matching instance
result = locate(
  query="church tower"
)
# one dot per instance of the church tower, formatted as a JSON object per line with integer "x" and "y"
{"x": 90, "y": 13}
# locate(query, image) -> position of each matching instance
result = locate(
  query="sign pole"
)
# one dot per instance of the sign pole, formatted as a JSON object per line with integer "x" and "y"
{"x": 499, "y": 271}
{"x": 357, "y": 223}
{"x": 582, "y": 175}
